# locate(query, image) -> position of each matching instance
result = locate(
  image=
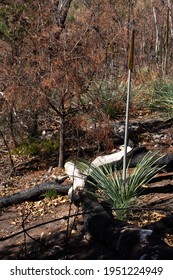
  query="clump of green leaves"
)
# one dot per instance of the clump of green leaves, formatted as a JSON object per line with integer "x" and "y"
{"x": 51, "y": 194}
{"x": 113, "y": 98}
{"x": 34, "y": 147}
{"x": 71, "y": 17}
{"x": 109, "y": 97}
{"x": 4, "y": 29}
{"x": 162, "y": 97}
{"x": 121, "y": 194}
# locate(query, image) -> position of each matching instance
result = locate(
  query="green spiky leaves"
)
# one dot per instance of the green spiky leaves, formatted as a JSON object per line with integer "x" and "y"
{"x": 117, "y": 192}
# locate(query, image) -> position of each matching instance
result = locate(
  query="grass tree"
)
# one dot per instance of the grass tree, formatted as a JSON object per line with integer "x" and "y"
{"x": 120, "y": 188}
{"x": 109, "y": 184}
{"x": 130, "y": 68}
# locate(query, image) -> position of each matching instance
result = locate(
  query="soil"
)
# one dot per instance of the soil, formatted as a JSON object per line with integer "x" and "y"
{"x": 52, "y": 234}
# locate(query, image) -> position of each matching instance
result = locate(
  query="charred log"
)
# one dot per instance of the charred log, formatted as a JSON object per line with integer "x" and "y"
{"x": 137, "y": 154}
{"x": 124, "y": 240}
{"x": 133, "y": 157}
{"x": 34, "y": 193}
{"x": 167, "y": 188}
{"x": 164, "y": 225}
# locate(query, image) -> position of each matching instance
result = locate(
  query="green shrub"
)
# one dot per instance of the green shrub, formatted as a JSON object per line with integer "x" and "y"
{"x": 162, "y": 97}
{"x": 4, "y": 31}
{"x": 113, "y": 98}
{"x": 107, "y": 96}
{"x": 51, "y": 194}
{"x": 34, "y": 147}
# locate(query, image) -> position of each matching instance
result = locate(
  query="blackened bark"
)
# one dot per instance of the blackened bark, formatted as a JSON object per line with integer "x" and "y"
{"x": 63, "y": 12}
{"x": 9, "y": 153}
{"x": 34, "y": 193}
{"x": 124, "y": 240}
{"x": 61, "y": 143}
{"x": 164, "y": 225}
{"x": 136, "y": 155}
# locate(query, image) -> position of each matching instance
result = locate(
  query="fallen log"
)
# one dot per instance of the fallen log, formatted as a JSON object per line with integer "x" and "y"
{"x": 164, "y": 225}
{"x": 156, "y": 125}
{"x": 164, "y": 188}
{"x": 79, "y": 179}
{"x": 34, "y": 193}
{"x": 124, "y": 240}
{"x": 107, "y": 159}
{"x": 136, "y": 155}
{"x": 133, "y": 157}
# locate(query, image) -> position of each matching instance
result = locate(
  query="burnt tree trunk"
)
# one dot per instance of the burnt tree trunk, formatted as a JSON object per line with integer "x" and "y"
{"x": 34, "y": 193}
{"x": 61, "y": 142}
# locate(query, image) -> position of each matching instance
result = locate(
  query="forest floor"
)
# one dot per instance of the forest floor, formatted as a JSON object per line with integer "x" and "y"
{"x": 52, "y": 234}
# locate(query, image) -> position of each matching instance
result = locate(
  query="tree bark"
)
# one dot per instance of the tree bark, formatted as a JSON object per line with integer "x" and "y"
{"x": 61, "y": 143}
{"x": 63, "y": 6}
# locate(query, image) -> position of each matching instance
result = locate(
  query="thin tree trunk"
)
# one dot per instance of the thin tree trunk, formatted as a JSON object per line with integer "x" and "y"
{"x": 170, "y": 17}
{"x": 62, "y": 7}
{"x": 11, "y": 127}
{"x": 156, "y": 30}
{"x": 61, "y": 143}
{"x": 33, "y": 129}
{"x": 9, "y": 153}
